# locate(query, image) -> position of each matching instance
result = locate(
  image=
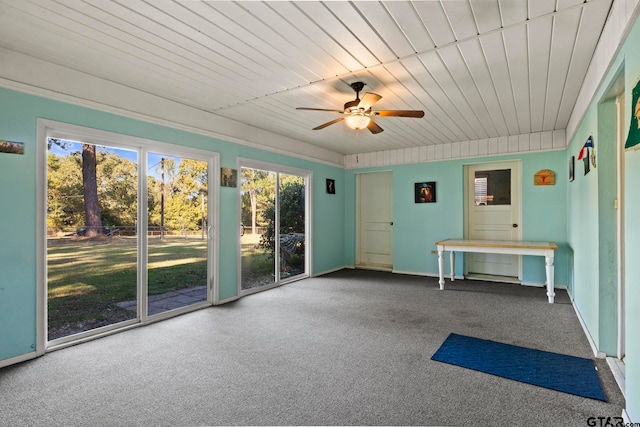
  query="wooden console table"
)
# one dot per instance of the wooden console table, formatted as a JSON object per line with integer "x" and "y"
{"x": 507, "y": 247}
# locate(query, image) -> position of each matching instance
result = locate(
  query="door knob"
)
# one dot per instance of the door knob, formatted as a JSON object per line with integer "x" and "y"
{"x": 391, "y": 223}
{"x": 515, "y": 225}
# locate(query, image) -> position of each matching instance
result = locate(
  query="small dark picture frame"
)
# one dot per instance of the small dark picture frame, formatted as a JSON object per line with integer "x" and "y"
{"x": 331, "y": 186}
{"x": 425, "y": 192}
{"x": 572, "y": 168}
{"x": 228, "y": 177}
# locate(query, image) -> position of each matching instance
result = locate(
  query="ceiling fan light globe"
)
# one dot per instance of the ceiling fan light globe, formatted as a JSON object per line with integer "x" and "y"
{"x": 357, "y": 121}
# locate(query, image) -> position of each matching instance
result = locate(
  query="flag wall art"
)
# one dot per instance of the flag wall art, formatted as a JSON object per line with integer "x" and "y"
{"x": 633, "y": 139}
{"x": 587, "y": 157}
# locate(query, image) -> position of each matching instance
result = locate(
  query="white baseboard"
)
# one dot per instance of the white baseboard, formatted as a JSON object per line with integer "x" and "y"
{"x": 333, "y": 270}
{"x": 412, "y": 273}
{"x": 421, "y": 273}
{"x": 617, "y": 369}
{"x": 18, "y": 359}
{"x": 592, "y": 343}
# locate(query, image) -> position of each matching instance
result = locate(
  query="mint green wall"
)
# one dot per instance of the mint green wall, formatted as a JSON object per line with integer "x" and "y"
{"x": 607, "y": 230}
{"x": 632, "y": 232}
{"x": 18, "y": 259}
{"x": 417, "y": 226}
{"x": 591, "y": 223}
{"x": 592, "y": 226}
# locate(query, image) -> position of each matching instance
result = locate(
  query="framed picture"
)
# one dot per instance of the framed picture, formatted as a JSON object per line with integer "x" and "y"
{"x": 228, "y": 177}
{"x": 331, "y": 186}
{"x": 572, "y": 168}
{"x": 11, "y": 147}
{"x": 425, "y": 192}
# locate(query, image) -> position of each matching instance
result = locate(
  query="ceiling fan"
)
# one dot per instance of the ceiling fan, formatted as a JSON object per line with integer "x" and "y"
{"x": 357, "y": 114}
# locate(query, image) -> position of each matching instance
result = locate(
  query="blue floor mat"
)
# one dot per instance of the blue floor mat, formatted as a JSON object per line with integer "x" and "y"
{"x": 568, "y": 374}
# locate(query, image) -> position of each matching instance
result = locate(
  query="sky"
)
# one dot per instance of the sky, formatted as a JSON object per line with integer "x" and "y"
{"x": 132, "y": 155}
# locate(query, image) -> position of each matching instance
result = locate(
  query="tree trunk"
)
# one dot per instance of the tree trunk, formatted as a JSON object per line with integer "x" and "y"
{"x": 254, "y": 209}
{"x": 90, "y": 188}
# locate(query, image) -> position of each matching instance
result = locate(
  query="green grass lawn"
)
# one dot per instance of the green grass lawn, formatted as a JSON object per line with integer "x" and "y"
{"x": 88, "y": 277}
{"x": 257, "y": 267}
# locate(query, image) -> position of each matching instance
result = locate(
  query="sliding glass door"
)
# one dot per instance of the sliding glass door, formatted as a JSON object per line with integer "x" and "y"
{"x": 274, "y": 222}
{"x": 177, "y": 232}
{"x": 292, "y": 220}
{"x": 129, "y": 231}
{"x": 91, "y": 238}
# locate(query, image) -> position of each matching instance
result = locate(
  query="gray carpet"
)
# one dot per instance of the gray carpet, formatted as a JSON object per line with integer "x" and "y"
{"x": 348, "y": 348}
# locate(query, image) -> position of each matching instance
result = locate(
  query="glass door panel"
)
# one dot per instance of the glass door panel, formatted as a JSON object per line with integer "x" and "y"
{"x": 292, "y": 225}
{"x": 91, "y": 236}
{"x": 177, "y": 232}
{"x": 258, "y": 209}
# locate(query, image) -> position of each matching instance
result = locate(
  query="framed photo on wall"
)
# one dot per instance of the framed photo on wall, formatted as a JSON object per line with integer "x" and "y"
{"x": 331, "y": 186}
{"x": 228, "y": 177}
{"x": 425, "y": 192}
{"x": 572, "y": 168}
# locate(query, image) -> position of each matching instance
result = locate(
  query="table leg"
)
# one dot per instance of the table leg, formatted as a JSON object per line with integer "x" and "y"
{"x": 550, "y": 285}
{"x": 441, "y": 267}
{"x": 452, "y": 260}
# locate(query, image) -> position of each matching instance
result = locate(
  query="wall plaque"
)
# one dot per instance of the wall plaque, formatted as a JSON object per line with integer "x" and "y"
{"x": 544, "y": 177}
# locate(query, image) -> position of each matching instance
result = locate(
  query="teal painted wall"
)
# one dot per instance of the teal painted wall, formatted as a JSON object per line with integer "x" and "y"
{"x": 591, "y": 232}
{"x": 632, "y": 231}
{"x": 18, "y": 259}
{"x": 582, "y": 231}
{"x": 417, "y": 226}
{"x": 607, "y": 231}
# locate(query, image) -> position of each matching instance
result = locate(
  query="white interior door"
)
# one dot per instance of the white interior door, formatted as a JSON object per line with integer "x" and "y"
{"x": 493, "y": 213}
{"x": 375, "y": 220}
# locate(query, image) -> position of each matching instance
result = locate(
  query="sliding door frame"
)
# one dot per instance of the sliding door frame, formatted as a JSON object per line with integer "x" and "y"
{"x": 307, "y": 175}
{"x": 52, "y": 129}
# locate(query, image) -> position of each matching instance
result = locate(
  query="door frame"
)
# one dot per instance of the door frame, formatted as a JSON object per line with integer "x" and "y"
{"x": 308, "y": 205}
{"x": 620, "y": 229}
{"x": 45, "y": 129}
{"x": 358, "y": 236}
{"x": 467, "y": 197}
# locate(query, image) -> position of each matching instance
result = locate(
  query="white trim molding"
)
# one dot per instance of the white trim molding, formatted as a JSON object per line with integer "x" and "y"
{"x": 64, "y": 84}
{"x": 621, "y": 18}
{"x": 514, "y": 144}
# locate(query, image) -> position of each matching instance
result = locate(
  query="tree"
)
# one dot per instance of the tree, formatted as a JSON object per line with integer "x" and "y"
{"x": 116, "y": 188}
{"x": 64, "y": 197}
{"x": 92, "y": 218}
{"x": 89, "y": 185}
{"x": 258, "y": 189}
{"x": 176, "y": 195}
{"x": 292, "y": 211}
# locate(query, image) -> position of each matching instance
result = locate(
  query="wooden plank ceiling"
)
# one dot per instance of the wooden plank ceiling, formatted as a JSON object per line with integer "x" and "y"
{"x": 478, "y": 68}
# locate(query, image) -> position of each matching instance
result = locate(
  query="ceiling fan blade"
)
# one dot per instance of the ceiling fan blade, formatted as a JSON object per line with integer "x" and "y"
{"x": 399, "y": 113}
{"x": 368, "y": 100}
{"x": 319, "y": 109}
{"x": 339, "y": 119}
{"x": 374, "y": 128}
